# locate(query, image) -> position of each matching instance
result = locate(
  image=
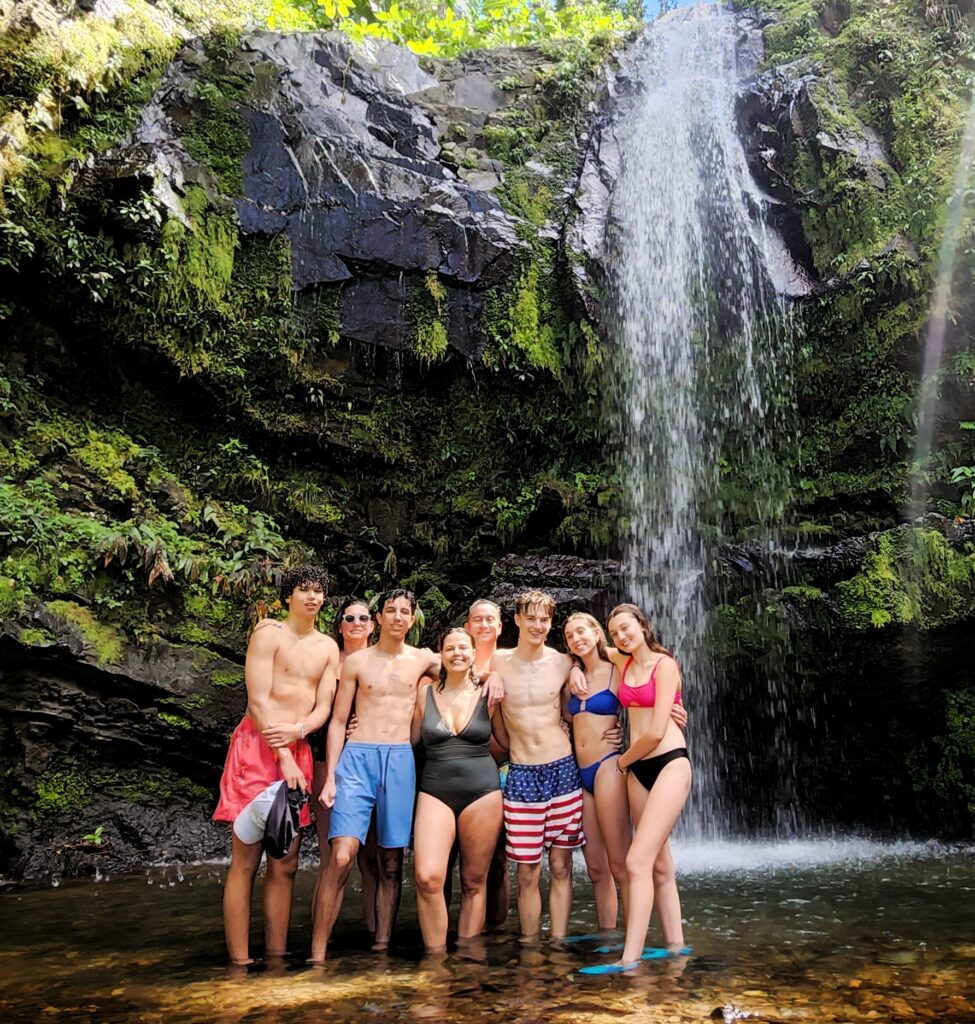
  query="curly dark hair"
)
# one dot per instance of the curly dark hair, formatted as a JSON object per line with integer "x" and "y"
{"x": 300, "y": 574}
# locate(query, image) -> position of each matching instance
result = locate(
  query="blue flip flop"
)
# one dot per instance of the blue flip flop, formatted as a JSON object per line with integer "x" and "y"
{"x": 609, "y": 968}
{"x": 584, "y": 938}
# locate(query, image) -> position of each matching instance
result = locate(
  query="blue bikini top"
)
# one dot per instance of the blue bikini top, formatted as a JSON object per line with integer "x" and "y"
{"x": 604, "y": 702}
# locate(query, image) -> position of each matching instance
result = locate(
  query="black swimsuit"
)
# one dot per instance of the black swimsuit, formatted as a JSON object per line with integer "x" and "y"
{"x": 459, "y": 768}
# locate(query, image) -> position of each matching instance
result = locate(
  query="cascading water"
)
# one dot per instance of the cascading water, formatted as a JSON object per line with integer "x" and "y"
{"x": 698, "y": 325}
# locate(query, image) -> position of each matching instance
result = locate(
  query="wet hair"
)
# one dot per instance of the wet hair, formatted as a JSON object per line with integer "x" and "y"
{"x": 343, "y": 608}
{"x": 392, "y": 595}
{"x": 474, "y": 677}
{"x": 529, "y": 599}
{"x": 300, "y": 575}
{"x": 648, "y": 634}
{"x": 488, "y": 602}
{"x": 593, "y": 623}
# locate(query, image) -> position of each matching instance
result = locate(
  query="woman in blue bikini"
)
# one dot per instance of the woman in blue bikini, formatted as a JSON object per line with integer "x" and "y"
{"x": 605, "y": 813}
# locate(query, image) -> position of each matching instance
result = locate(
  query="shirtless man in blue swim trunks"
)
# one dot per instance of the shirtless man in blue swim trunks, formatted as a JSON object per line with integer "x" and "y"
{"x": 375, "y": 769}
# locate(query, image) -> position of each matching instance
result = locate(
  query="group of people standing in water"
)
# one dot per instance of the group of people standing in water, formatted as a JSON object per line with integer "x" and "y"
{"x": 549, "y": 721}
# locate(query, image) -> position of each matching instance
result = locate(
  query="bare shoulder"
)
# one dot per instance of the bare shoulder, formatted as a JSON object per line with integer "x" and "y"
{"x": 667, "y": 663}
{"x": 501, "y": 658}
{"x": 562, "y": 661}
{"x": 265, "y": 624}
{"x": 356, "y": 662}
{"x": 328, "y": 644}
{"x": 265, "y": 635}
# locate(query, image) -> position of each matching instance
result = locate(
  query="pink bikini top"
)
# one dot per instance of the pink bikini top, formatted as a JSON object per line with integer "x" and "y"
{"x": 641, "y": 696}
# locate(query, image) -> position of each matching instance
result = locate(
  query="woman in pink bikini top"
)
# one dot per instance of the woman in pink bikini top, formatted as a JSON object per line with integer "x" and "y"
{"x": 659, "y": 779}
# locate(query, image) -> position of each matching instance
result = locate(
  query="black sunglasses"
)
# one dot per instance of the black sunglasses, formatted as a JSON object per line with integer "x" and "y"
{"x": 356, "y": 618}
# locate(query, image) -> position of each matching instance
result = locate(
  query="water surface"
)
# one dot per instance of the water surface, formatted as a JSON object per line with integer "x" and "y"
{"x": 817, "y": 931}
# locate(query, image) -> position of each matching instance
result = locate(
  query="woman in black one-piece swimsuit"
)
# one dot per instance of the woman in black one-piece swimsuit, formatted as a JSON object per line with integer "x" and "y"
{"x": 460, "y": 793}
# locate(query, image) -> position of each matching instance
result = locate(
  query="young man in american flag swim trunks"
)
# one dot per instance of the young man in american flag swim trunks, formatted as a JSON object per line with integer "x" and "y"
{"x": 543, "y": 793}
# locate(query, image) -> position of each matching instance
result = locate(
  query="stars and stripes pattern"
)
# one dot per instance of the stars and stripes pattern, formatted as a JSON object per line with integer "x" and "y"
{"x": 542, "y": 808}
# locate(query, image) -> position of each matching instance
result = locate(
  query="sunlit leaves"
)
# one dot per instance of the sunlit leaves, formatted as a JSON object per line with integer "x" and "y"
{"x": 436, "y": 30}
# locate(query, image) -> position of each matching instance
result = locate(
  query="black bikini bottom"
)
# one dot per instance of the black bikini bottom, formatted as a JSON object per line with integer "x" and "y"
{"x": 647, "y": 771}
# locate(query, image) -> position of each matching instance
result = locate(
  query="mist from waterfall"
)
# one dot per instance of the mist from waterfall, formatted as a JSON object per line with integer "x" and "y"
{"x": 700, "y": 333}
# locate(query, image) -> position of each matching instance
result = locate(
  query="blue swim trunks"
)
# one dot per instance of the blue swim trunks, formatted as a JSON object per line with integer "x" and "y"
{"x": 380, "y": 776}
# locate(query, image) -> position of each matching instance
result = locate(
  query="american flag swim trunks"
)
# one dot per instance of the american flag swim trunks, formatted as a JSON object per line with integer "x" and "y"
{"x": 542, "y": 808}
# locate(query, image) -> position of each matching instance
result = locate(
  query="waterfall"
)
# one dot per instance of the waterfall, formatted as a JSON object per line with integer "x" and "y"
{"x": 698, "y": 326}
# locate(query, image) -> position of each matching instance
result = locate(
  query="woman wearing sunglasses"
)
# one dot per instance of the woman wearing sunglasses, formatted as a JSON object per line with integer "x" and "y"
{"x": 354, "y": 626}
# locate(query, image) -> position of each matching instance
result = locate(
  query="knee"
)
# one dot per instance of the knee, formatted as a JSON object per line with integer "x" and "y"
{"x": 390, "y": 864}
{"x": 618, "y": 868}
{"x": 283, "y": 870}
{"x": 597, "y": 873}
{"x": 342, "y": 858}
{"x": 472, "y": 883}
{"x": 636, "y": 865}
{"x": 560, "y": 870}
{"x": 430, "y": 883}
{"x": 663, "y": 874}
{"x": 528, "y": 875}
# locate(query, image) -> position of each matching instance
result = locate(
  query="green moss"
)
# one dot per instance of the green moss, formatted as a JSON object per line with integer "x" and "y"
{"x": 176, "y": 721}
{"x": 201, "y": 257}
{"x": 104, "y": 639}
{"x": 62, "y": 791}
{"x": 106, "y": 457}
{"x": 218, "y": 139}
{"x": 34, "y": 637}
{"x": 227, "y": 677}
{"x": 803, "y": 592}
{"x": 427, "y": 311}
{"x": 160, "y": 786}
{"x": 530, "y": 333}
{"x": 912, "y": 577}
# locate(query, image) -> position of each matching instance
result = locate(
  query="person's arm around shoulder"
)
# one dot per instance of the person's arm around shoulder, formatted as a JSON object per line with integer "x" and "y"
{"x": 667, "y": 679}
{"x": 418, "y": 708}
{"x": 499, "y": 744}
{"x": 341, "y": 709}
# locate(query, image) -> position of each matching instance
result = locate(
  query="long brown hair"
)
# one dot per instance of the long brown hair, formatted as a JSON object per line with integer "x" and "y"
{"x": 589, "y": 620}
{"x": 648, "y": 634}
{"x": 474, "y": 677}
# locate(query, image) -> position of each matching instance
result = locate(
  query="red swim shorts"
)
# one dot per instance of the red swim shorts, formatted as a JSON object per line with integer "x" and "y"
{"x": 251, "y": 767}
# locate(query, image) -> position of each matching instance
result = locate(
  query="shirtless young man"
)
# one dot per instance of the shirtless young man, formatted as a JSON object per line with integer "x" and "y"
{"x": 290, "y": 677}
{"x": 543, "y": 793}
{"x": 375, "y": 769}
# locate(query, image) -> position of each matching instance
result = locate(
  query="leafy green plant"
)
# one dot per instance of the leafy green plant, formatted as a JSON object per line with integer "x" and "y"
{"x": 94, "y": 838}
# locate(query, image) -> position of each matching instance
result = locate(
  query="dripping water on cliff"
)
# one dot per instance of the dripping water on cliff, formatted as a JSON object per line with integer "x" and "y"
{"x": 703, "y": 396}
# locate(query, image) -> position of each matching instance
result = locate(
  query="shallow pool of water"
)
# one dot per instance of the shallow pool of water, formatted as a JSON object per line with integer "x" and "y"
{"x": 818, "y": 931}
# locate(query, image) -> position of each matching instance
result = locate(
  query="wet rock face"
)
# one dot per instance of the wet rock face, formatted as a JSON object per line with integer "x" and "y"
{"x": 368, "y": 163}
{"x": 133, "y": 748}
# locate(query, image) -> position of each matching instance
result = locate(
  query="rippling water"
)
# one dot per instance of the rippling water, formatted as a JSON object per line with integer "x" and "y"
{"x": 845, "y": 930}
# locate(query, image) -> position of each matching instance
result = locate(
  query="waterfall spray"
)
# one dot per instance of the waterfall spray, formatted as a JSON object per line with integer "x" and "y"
{"x": 696, "y": 319}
